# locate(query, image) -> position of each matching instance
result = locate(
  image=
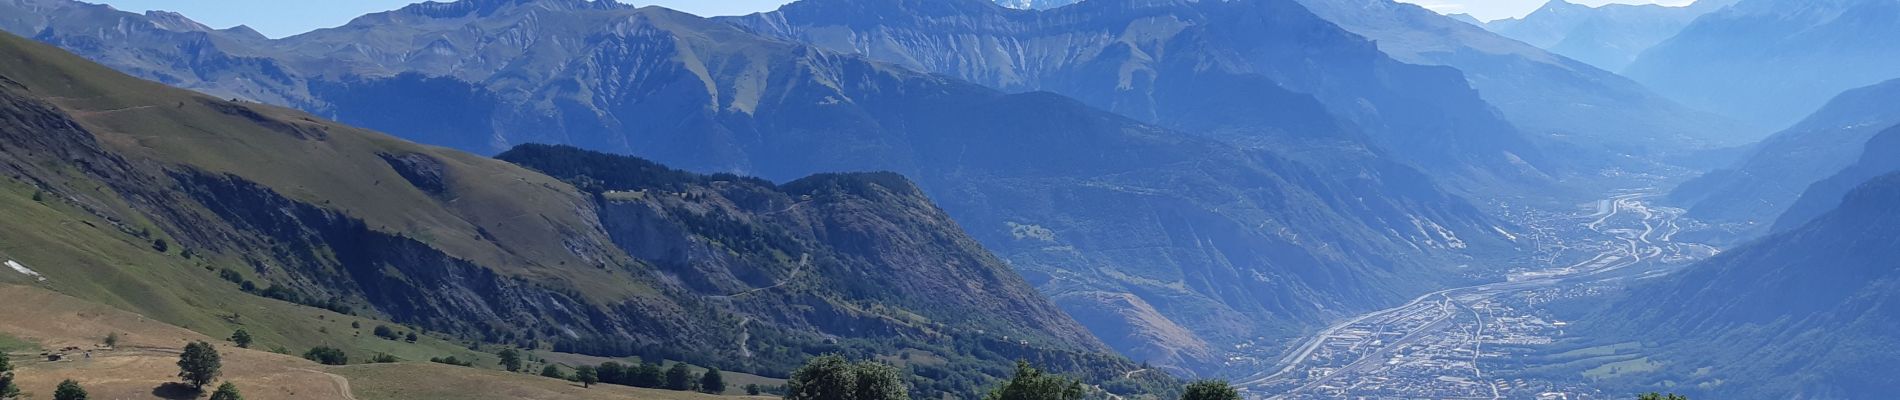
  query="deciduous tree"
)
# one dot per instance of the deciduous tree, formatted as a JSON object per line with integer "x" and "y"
{"x": 200, "y": 364}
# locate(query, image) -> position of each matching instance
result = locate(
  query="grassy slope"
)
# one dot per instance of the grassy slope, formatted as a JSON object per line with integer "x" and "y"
{"x": 525, "y": 211}
{"x": 145, "y": 360}
{"x": 81, "y": 254}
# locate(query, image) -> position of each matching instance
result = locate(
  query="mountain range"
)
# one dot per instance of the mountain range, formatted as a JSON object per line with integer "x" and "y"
{"x": 1774, "y": 173}
{"x": 1597, "y": 119}
{"x": 1245, "y": 71}
{"x": 1609, "y": 36}
{"x": 206, "y": 212}
{"x": 1171, "y": 246}
{"x": 1772, "y": 62}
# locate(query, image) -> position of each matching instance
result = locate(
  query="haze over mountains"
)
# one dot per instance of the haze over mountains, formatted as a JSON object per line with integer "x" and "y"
{"x": 1332, "y": 198}
{"x": 1771, "y": 62}
{"x": 1764, "y": 184}
{"x": 1609, "y": 36}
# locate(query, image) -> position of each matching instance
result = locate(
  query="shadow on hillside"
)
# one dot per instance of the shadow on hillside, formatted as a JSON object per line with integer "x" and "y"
{"x": 175, "y": 391}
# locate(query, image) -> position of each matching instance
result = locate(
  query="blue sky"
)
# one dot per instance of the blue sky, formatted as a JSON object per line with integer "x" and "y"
{"x": 279, "y": 18}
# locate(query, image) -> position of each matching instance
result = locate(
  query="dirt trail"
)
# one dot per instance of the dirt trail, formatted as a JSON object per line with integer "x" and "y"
{"x": 342, "y": 384}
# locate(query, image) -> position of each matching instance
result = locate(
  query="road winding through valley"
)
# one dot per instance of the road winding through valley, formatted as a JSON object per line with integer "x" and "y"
{"x": 1432, "y": 346}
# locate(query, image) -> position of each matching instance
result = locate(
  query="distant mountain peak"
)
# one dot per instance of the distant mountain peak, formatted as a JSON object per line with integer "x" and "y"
{"x": 464, "y": 8}
{"x": 173, "y": 21}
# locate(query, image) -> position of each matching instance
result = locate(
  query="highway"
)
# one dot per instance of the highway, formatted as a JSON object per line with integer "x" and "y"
{"x": 1432, "y": 346}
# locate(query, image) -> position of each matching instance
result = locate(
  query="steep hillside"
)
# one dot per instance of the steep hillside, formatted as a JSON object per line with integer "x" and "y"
{"x": 1771, "y": 62}
{"x": 1171, "y": 247}
{"x": 1803, "y": 314}
{"x": 1609, "y": 36}
{"x": 1753, "y": 192}
{"x": 131, "y": 193}
{"x": 1234, "y": 69}
{"x": 1880, "y": 156}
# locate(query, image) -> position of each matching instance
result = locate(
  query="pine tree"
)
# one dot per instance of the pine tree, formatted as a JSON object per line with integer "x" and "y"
{"x": 199, "y": 365}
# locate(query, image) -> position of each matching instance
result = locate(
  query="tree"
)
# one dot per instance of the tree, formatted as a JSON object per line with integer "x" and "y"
{"x": 69, "y": 390}
{"x": 711, "y": 382}
{"x": 39, "y": 196}
{"x": 1033, "y": 384}
{"x": 586, "y": 375}
{"x": 552, "y": 371}
{"x": 327, "y": 355}
{"x": 242, "y": 338}
{"x": 878, "y": 381}
{"x": 383, "y": 331}
{"x": 112, "y": 339}
{"x": 831, "y": 377}
{"x": 411, "y": 338}
{"x": 1212, "y": 389}
{"x": 752, "y": 389}
{"x": 1660, "y": 396}
{"x": 612, "y": 372}
{"x": 227, "y": 391}
{"x": 827, "y": 377}
{"x": 199, "y": 365}
{"x": 511, "y": 360}
{"x": 8, "y": 389}
{"x": 679, "y": 377}
{"x": 647, "y": 375}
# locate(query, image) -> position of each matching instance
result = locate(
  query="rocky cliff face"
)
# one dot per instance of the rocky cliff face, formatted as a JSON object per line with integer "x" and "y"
{"x": 1248, "y": 69}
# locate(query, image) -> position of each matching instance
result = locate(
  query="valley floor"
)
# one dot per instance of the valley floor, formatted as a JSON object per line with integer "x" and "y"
{"x": 1439, "y": 345}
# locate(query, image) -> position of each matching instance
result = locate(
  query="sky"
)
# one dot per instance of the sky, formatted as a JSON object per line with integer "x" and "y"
{"x": 279, "y": 18}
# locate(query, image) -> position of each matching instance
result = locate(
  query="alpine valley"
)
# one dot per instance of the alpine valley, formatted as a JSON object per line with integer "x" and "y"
{"x": 952, "y": 199}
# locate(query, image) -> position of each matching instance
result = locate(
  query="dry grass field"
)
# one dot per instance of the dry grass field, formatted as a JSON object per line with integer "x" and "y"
{"x": 143, "y": 366}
